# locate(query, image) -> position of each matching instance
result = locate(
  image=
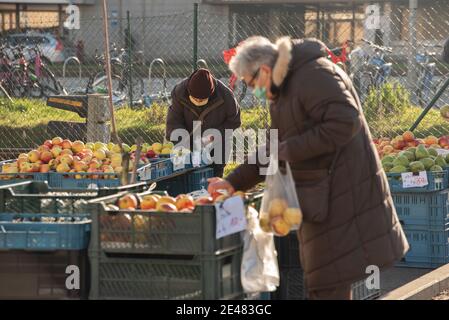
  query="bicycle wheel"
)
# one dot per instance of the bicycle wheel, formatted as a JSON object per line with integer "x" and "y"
{"x": 50, "y": 85}
{"x": 16, "y": 83}
{"x": 365, "y": 85}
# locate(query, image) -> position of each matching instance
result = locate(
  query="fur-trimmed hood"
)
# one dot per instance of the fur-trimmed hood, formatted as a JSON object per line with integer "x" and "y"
{"x": 293, "y": 54}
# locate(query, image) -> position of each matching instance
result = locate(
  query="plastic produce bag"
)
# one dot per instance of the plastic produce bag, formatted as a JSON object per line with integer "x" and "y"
{"x": 280, "y": 211}
{"x": 259, "y": 269}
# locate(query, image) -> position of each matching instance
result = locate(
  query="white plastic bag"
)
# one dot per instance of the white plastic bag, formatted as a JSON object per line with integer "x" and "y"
{"x": 259, "y": 270}
{"x": 280, "y": 211}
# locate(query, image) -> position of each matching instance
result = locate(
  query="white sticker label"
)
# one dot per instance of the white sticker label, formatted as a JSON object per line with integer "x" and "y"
{"x": 230, "y": 217}
{"x": 442, "y": 152}
{"x": 178, "y": 163}
{"x": 414, "y": 180}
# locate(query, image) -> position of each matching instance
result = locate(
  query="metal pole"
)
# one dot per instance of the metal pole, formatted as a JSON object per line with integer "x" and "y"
{"x": 195, "y": 35}
{"x": 413, "y": 6}
{"x": 130, "y": 60}
{"x": 430, "y": 105}
{"x": 108, "y": 70}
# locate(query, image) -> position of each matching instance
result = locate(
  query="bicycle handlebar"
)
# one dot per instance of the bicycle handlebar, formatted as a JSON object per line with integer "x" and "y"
{"x": 381, "y": 48}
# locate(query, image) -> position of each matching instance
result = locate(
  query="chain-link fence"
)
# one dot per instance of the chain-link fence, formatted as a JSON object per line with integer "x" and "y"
{"x": 390, "y": 50}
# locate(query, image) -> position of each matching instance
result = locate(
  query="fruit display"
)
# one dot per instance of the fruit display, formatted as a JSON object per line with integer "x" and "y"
{"x": 164, "y": 203}
{"x": 280, "y": 218}
{"x": 387, "y": 146}
{"x": 407, "y": 154}
{"x": 83, "y": 160}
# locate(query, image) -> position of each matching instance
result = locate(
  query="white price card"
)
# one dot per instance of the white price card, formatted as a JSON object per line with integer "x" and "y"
{"x": 145, "y": 172}
{"x": 442, "y": 152}
{"x": 414, "y": 180}
{"x": 178, "y": 163}
{"x": 196, "y": 159}
{"x": 230, "y": 217}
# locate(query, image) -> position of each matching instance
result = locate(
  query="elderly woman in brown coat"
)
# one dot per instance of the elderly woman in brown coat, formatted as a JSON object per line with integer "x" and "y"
{"x": 350, "y": 221}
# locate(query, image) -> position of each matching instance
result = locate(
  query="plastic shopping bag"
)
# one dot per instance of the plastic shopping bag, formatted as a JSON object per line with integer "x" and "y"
{"x": 259, "y": 269}
{"x": 280, "y": 211}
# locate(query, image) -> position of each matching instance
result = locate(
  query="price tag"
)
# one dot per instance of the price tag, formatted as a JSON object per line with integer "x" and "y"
{"x": 145, "y": 172}
{"x": 414, "y": 180}
{"x": 178, "y": 163}
{"x": 196, "y": 159}
{"x": 442, "y": 152}
{"x": 230, "y": 217}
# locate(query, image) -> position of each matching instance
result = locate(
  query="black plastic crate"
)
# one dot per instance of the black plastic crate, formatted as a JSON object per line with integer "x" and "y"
{"x": 42, "y": 275}
{"x": 209, "y": 277}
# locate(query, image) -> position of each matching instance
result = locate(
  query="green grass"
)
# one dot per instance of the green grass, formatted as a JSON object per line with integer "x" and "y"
{"x": 23, "y": 123}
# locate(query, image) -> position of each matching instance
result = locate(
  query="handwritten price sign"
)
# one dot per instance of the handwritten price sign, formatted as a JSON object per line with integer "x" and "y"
{"x": 230, "y": 217}
{"x": 414, "y": 180}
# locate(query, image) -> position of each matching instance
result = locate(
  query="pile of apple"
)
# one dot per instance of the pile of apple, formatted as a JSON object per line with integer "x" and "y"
{"x": 164, "y": 203}
{"x": 280, "y": 218}
{"x": 64, "y": 156}
{"x": 387, "y": 146}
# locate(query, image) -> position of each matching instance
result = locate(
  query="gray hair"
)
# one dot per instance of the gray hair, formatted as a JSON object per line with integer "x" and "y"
{"x": 251, "y": 54}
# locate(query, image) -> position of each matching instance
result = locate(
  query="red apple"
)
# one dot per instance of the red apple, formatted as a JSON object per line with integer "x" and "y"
{"x": 78, "y": 146}
{"x": 46, "y": 156}
{"x": 184, "y": 201}
{"x": 44, "y": 168}
{"x": 443, "y": 142}
{"x": 66, "y": 144}
{"x": 56, "y": 151}
{"x": 48, "y": 143}
{"x": 127, "y": 202}
{"x": 67, "y": 158}
{"x": 34, "y": 155}
{"x": 43, "y": 148}
{"x": 57, "y": 141}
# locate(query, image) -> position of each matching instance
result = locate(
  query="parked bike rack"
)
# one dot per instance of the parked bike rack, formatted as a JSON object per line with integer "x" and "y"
{"x": 202, "y": 62}
{"x": 163, "y": 94}
{"x": 67, "y": 61}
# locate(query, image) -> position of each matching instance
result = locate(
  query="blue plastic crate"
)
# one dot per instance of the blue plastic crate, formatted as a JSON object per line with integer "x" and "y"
{"x": 437, "y": 181}
{"x": 7, "y": 178}
{"x": 157, "y": 169}
{"x": 429, "y": 248}
{"x": 429, "y": 209}
{"x": 68, "y": 181}
{"x": 197, "y": 179}
{"x": 173, "y": 186}
{"x": 34, "y": 235}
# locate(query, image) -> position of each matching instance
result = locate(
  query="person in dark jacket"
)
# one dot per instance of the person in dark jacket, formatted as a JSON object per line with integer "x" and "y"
{"x": 349, "y": 219}
{"x": 203, "y": 98}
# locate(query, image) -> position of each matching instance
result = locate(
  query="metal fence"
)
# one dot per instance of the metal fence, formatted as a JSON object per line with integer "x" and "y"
{"x": 392, "y": 57}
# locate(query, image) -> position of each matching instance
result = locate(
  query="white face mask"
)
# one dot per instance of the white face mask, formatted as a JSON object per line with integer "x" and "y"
{"x": 199, "y": 103}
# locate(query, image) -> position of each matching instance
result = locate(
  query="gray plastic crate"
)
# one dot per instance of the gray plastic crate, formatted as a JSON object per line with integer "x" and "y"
{"x": 208, "y": 277}
{"x": 147, "y": 232}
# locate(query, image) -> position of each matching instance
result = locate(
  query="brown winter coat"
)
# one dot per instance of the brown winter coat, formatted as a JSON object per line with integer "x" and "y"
{"x": 222, "y": 111}
{"x": 349, "y": 218}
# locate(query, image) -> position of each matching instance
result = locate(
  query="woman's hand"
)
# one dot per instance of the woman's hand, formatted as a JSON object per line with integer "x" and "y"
{"x": 216, "y": 184}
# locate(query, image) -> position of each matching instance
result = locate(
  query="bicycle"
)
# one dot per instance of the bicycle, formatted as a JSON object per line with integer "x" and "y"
{"x": 375, "y": 70}
{"x": 22, "y": 81}
{"x": 47, "y": 80}
{"x": 121, "y": 71}
{"x": 426, "y": 73}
